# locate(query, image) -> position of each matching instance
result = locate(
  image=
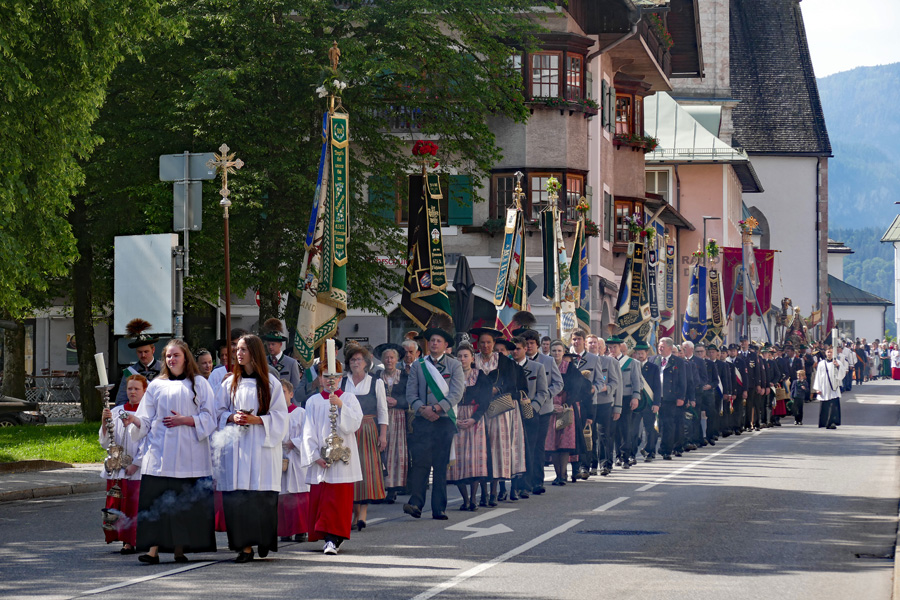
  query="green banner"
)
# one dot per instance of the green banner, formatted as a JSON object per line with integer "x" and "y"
{"x": 340, "y": 162}
{"x": 509, "y": 236}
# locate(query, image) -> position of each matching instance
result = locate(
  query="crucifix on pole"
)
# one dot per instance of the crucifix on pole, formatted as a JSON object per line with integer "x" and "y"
{"x": 225, "y": 163}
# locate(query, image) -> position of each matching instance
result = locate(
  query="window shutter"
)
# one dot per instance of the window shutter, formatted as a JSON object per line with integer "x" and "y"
{"x": 459, "y": 200}
{"x": 604, "y": 104}
{"x": 609, "y": 218}
{"x": 382, "y": 199}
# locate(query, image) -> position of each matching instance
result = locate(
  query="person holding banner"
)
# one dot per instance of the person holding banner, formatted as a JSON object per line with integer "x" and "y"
{"x": 630, "y": 386}
{"x": 436, "y": 385}
{"x": 650, "y": 400}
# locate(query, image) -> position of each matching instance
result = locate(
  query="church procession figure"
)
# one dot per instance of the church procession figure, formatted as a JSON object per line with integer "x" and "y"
{"x": 298, "y": 446}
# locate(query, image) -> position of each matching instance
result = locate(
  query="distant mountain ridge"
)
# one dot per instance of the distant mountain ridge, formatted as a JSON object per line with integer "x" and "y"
{"x": 863, "y": 120}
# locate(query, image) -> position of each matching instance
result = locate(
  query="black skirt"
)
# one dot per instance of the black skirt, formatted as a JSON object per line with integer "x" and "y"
{"x": 176, "y": 512}
{"x": 252, "y": 519}
{"x": 830, "y": 412}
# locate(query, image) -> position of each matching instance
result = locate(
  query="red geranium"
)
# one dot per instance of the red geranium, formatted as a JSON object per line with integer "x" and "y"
{"x": 423, "y": 148}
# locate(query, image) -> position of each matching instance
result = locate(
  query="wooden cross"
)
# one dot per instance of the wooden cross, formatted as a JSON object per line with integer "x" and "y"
{"x": 225, "y": 164}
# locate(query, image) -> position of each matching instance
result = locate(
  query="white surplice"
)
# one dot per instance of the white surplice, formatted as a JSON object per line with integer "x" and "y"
{"x": 828, "y": 378}
{"x": 318, "y": 427}
{"x": 249, "y": 458}
{"x": 181, "y": 451}
{"x": 132, "y": 448}
{"x": 293, "y": 480}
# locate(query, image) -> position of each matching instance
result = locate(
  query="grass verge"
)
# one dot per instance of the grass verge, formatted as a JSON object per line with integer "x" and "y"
{"x": 66, "y": 443}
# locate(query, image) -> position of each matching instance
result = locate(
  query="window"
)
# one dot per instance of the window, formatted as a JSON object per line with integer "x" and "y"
{"x": 608, "y": 209}
{"x": 623, "y": 115}
{"x": 392, "y": 202}
{"x": 625, "y": 208}
{"x": 540, "y": 198}
{"x": 574, "y": 192}
{"x": 629, "y": 114}
{"x": 846, "y": 329}
{"x": 657, "y": 182}
{"x": 545, "y": 75}
{"x": 574, "y": 64}
{"x": 504, "y": 188}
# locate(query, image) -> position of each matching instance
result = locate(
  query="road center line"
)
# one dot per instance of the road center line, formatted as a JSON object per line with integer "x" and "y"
{"x": 476, "y": 570}
{"x": 644, "y": 488}
{"x": 116, "y": 586}
{"x": 609, "y": 505}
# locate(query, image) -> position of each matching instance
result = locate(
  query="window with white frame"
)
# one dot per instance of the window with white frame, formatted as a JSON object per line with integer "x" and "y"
{"x": 657, "y": 182}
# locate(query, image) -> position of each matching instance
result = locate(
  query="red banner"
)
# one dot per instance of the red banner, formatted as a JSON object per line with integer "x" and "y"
{"x": 733, "y": 283}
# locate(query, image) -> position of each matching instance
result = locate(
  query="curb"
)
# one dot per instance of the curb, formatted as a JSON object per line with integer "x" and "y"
{"x": 53, "y": 490}
{"x": 30, "y": 466}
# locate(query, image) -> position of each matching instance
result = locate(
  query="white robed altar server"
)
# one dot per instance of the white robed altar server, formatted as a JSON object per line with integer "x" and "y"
{"x": 827, "y": 387}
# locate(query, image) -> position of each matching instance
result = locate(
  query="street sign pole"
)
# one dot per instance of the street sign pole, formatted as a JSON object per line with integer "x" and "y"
{"x": 186, "y": 170}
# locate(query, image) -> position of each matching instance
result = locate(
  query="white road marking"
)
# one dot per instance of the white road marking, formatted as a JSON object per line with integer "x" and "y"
{"x": 476, "y": 570}
{"x": 886, "y": 402}
{"x": 468, "y": 524}
{"x": 370, "y": 521}
{"x": 117, "y": 586}
{"x": 678, "y": 472}
{"x": 609, "y": 505}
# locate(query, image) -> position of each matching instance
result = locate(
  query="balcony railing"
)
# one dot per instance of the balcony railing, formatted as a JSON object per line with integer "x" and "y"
{"x": 656, "y": 46}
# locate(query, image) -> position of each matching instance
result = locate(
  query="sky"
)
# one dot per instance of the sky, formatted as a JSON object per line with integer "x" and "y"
{"x": 843, "y": 35}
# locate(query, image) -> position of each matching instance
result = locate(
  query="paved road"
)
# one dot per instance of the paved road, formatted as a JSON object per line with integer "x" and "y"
{"x": 792, "y": 512}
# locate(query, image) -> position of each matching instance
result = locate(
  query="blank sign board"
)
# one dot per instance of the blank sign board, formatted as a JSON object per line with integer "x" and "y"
{"x": 145, "y": 281}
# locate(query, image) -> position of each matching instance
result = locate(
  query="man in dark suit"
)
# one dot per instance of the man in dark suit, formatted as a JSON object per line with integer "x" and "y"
{"x": 589, "y": 363}
{"x": 702, "y": 390}
{"x": 432, "y": 428}
{"x": 651, "y": 395}
{"x": 536, "y": 391}
{"x": 554, "y": 387}
{"x": 741, "y": 389}
{"x": 673, "y": 388}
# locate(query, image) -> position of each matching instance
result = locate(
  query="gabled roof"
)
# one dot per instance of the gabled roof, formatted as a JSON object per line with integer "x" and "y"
{"x": 844, "y": 293}
{"x": 682, "y": 139}
{"x": 893, "y": 232}
{"x": 772, "y": 76}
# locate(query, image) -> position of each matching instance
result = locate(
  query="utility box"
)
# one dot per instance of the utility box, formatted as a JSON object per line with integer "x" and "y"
{"x": 144, "y": 281}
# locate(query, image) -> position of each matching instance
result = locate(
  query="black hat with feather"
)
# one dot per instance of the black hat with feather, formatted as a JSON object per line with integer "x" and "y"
{"x": 135, "y": 329}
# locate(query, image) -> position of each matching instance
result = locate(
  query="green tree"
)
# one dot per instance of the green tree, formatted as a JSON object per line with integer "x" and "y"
{"x": 246, "y": 75}
{"x": 57, "y": 59}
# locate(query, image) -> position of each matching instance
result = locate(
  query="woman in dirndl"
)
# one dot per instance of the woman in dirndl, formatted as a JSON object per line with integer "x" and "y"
{"x": 506, "y": 444}
{"x": 396, "y": 455}
{"x": 562, "y": 443}
{"x": 128, "y": 480}
{"x": 471, "y": 465}
{"x": 371, "y": 437}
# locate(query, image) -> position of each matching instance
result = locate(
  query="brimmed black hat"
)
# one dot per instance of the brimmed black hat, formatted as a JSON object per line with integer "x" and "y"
{"x": 432, "y": 331}
{"x": 380, "y": 348}
{"x": 506, "y": 344}
{"x": 135, "y": 329}
{"x": 478, "y": 331}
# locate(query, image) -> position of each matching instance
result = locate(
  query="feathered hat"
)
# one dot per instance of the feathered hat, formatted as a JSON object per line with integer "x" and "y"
{"x": 273, "y": 331}
{"x": 135, "y": 329}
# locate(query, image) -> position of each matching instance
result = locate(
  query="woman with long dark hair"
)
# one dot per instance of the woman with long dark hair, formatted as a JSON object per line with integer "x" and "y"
{"x": 176, "y": 416}
{"x": 252, "y": 417}
{"x": 371, "y": 437}
{"x": 471, "y": 466}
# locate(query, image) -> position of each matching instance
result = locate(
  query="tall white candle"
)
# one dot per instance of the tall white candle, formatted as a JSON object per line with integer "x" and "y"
{"x": 329, "y": 352}
{"x": 101, "y": 368}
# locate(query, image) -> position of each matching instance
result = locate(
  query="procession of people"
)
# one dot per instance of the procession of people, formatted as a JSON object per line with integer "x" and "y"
{"x": 240, "y": 450}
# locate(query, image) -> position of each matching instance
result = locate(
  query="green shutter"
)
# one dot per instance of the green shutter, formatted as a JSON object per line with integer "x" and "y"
{"x": 459, "y": 200}
{"x": 611, "y": 122}
{"x": 609, "y": 213}
{"x": 604, "y": 104}
{"x": 382, "y": 198}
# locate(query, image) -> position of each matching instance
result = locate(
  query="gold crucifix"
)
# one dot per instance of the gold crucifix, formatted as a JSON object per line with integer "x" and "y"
{"x": 224, "y": 164}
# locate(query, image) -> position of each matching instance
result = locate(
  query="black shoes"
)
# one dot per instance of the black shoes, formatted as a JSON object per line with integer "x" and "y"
{"x": 678, "y": 453}
{"x": 538, "y": 490}
{"x": 493, "y": 500}
{"x": 472, "y": 507}
{"x": 125, "y": 550}
{"x": 148, "y": 560}
{"x": 360, "y": 525}
{"x": 667, "y": 457}
{"x": 832, "y": 426}
{"x": 483, "y": 501}
{"x": 244, "y": 557}
{"x": 301, "y": 537}
{"x": 605, "y": 471}
{"x": 390, "y": 498}
{"x": 439, "y": 516}
{"x": 523, "y": 495}
{"x": 284, "y": 538}
{"x": 181, "y": 558}
{"x": 711, "y": 442}
{"x": 414, "y": 511}
{"x": 501, "y": 496}
{"x": 632, "y": 461}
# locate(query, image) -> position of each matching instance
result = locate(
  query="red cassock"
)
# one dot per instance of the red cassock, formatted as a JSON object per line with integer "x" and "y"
{"x": 330, "y": 510}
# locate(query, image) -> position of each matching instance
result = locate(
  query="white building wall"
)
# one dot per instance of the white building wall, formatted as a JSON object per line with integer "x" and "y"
{"x": 789, "y": 205}
{"x": 868, "y": 320}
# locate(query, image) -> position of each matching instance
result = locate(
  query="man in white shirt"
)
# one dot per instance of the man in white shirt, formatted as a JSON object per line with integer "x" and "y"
{"x": 827, "y": 387}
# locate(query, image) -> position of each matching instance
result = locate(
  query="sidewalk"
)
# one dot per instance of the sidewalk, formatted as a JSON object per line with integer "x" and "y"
{"x": 27, "y": 483}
